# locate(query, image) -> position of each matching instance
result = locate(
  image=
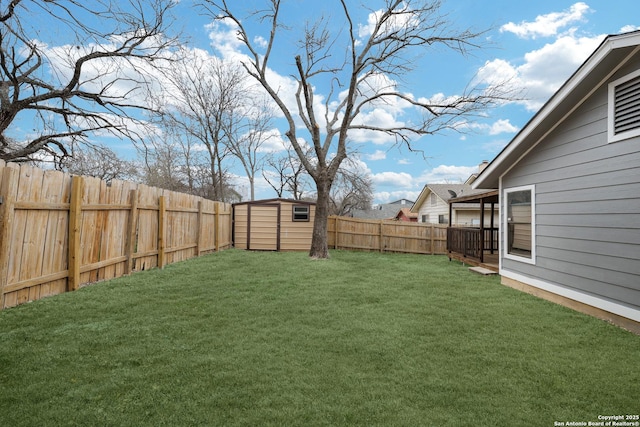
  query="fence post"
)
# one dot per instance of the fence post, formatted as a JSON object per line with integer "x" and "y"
{"x": 433, "y": 231}
{"x": 8, "y": 191}
{"x": 75, "y": 223}
{"x": 216, "y": 226}
{"x": 199, "y": 228}
{"x": 132, "y": 228}
{"x": 162, "y": 214}
{"x": 381, "y": 237}
{"x": 335, "y": 241}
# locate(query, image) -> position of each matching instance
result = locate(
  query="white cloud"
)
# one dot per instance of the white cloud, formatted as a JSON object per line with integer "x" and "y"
{"x": 406, "y": 186}
{"x": 549, "y": 24}
{"x": 447, "y": 174}
{"x": 544, "y": 70}
{"x": 260, "y": 41}
{"x": 118, "y": 78}
{"x": 273, "y": 142}
{"x": 392, "y": 196}
{"x": 224, "y": 38}
{"x": 393, "y": 179}
{"x": 355, "y": 164}
{"x": 378, "y": 155}
{"x": 404, "y": 162}
{"x": 502, "y": 126}
{"x": 629, "y": 28}
{"x": 497, "y": 128}
{"x": 380, "y": 118}
{"x": 395, "y": 23}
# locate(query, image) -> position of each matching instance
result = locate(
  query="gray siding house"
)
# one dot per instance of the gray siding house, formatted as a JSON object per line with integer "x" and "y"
{"x": 569, "y": 186}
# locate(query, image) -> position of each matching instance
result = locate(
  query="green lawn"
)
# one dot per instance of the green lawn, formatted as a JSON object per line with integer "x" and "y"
{"x": 253, "y": 339}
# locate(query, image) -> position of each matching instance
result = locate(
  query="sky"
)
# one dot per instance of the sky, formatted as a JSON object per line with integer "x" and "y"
{"x": 537, "y": 45}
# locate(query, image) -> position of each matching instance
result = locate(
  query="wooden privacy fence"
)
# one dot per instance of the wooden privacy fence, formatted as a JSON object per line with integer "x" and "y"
{"x": 386, "y": 236}
{"x": 58, "y": 231}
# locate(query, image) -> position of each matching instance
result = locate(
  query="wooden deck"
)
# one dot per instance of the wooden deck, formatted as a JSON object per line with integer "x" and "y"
{"x": 478, "y": 247}
{"x": 491, "y": 261}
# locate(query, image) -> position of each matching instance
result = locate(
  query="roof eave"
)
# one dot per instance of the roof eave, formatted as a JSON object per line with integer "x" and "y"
{"x": 509, "y": 156}
{"x": 420, "y": 200}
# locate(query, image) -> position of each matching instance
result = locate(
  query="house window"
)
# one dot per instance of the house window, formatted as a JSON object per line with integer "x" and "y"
{"x": 425, "y": 218}
{"x": 434, "y": 200}
{"x": 442, "y": 219}
{"x": 624, "y": 107}
{"x": 301, "y": 213}
{"x": 520, "y": 224}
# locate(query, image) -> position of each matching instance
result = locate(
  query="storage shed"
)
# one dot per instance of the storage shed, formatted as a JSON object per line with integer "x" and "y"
{"x": 273, "y": 225}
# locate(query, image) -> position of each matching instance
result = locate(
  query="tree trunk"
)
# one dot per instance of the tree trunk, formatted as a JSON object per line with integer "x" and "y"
{"x": 319, "y": 247}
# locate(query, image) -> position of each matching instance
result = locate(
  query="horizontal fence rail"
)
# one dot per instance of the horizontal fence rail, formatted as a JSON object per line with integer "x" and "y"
{"x": 59, "y": 232}
{"x": 386, "y": 236}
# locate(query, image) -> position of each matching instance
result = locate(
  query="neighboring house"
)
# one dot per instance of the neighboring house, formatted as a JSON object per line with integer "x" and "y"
{"x": 406, "y": 215}
{"x": 383, "y": 211}
{"x": 569, "y": 186}
{"x": 473, "y": 176}
{"x": 432, "y": 205}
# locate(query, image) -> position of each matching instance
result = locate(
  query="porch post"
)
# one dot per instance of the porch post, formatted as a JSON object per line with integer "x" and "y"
{"x": 493, "y": 210}
{"x": 481, "y": 229}
{"x": 449, "y": 231}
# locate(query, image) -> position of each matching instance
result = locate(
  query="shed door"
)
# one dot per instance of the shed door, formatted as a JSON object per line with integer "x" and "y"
{"x": 263, "y": 233}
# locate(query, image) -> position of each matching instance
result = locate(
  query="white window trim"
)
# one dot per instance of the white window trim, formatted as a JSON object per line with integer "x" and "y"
{"x": 505, "y": 226}
{"x": 611, "y": 136}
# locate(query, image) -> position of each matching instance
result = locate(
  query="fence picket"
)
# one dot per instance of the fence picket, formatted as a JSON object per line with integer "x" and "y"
{"x": 59, "y": 232}
{"x": 132, "y": 230}
{"x": 162, "y": 222}
{"x": 75, "y": 225}
{"x": 386, "y": 236}
{"x": 8, "y": 189}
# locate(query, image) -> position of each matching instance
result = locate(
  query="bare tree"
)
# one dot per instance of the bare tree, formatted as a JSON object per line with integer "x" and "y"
{"x": 286, "y": 174}
{"x": 247, "y": 128}
{"x": 364, "y": 79}
{"x": 164, "y": 165}
{"x": 83, "y": 87}
{"x": 176, "y": 161}
{"x": 351, "y": 190}
{"x": 276, "y": 175}
{"x": 207, "y": 107}
{"x": 99, "y": 161}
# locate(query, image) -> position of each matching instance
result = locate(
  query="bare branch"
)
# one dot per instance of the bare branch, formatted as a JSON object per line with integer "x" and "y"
{"x": 99, "y": 77}
{"x": 373, "y": 61}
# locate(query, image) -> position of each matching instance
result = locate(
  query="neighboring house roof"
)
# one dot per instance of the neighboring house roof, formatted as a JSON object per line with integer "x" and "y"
{"x": 474, "y": 175}
{"x": 612, "y": 54}
{"x": 401, "y": 202}
{"x": 383, "y": 211}
{"x": 444, "y": 192}
{"x": 406, "y": 212}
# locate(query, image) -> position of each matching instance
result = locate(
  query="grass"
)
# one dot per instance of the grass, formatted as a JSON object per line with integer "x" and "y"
{"x": 250, "y": 338}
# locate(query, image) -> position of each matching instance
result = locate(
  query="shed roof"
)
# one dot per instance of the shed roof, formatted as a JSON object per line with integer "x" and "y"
{"x": 613, "y": 53}
{"x": 263, "y": 201}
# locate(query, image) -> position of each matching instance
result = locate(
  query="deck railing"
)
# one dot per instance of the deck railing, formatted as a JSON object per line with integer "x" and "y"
{"x": 472, "y": 242}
